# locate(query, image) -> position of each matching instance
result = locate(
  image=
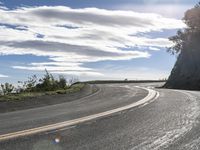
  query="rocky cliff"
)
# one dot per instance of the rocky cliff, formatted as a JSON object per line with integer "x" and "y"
{"x": 186, "y": 72}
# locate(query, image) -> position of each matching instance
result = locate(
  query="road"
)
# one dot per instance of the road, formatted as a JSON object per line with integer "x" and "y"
{"x": 170, "y": 121}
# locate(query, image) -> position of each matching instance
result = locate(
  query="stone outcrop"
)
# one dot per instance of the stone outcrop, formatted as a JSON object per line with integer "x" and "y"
{"x": 186, "y": 72}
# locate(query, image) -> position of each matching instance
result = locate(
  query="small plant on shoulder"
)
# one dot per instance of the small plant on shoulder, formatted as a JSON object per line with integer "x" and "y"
{"x": 7, "y": 88}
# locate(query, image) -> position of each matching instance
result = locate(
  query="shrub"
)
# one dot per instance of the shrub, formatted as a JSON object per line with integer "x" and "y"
{"x": 62, "y": 82}
{"x": 45, "y": 84}
{"x": 7, "y": 88}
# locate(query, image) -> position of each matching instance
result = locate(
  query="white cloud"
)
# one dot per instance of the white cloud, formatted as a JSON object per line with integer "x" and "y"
{"x": 168, "y": 10}
{"x": 45, "y": 16}
{"x": 71, "y": 37}
{"x": 82, "y": 74}
{"x": 3, "y": 76}
{"x": 154, "y": 48}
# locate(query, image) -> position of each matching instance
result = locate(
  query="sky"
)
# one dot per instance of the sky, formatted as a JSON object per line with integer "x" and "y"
{"x": 90, "y": 39}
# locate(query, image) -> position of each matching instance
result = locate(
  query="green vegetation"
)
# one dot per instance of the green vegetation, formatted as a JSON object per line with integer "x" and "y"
{"x": 24, "y": 95}
{"x": 7, "y": 88}
{"x": 184, "y": 39}
{"x": 35, "y": 87}
{"x": 47, "y": 83}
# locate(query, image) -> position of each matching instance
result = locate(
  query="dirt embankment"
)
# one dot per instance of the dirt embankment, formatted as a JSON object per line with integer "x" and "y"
{"x": 7, "y": 106}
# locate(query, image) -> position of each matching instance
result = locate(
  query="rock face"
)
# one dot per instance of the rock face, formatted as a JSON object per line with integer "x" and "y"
{"x": 186, "y": 72}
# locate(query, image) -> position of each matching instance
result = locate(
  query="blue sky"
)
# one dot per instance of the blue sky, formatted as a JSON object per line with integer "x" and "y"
{"x": 90, "y": 39}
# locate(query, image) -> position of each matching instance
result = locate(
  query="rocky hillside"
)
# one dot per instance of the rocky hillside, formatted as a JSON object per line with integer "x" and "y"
{"x": 186, "y": 72}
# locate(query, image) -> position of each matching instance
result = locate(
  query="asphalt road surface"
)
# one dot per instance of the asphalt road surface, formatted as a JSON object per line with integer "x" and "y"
{"x": 170, "y": 120}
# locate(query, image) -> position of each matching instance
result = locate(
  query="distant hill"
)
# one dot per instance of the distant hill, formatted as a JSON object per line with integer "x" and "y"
{"x": 123, "y": 81}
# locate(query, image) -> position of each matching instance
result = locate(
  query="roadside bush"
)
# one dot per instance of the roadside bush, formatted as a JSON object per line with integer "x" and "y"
{"x": 7, "y": 88}
{"x": 48, "y": 84}
{"x": 62, "y": 83}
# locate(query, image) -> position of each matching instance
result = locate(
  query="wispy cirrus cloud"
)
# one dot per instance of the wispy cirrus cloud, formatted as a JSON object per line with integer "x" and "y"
{"x": 72, "y": 37}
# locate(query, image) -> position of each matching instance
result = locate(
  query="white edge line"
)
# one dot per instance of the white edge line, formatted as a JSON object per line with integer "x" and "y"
{"x": 152, "y": 94}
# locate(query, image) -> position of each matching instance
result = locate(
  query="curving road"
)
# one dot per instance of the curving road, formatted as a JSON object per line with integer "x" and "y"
{"x": 170, "y": 121}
